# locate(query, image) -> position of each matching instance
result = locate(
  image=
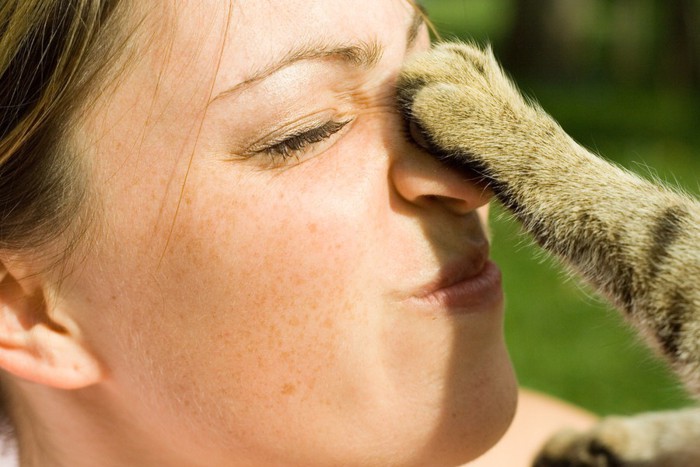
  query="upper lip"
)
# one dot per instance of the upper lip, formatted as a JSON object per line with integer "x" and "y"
{"x": 455, "y": 272}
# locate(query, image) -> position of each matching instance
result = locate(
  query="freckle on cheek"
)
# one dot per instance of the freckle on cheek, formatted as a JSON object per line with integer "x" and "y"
{"x": 288, "y": 389}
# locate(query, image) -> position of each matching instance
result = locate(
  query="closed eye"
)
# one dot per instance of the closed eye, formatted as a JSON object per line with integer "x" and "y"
{"x": 294, "y": 145}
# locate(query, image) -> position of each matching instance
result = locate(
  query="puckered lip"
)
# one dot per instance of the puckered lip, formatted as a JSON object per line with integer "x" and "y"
{"x": 468, "y": 267}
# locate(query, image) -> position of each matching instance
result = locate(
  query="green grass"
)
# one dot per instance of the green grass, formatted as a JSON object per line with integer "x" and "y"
{"x": 477, "y": 19}
{"x": 562, "y": 339}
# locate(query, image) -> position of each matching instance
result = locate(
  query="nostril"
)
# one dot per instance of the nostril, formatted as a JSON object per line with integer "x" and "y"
{"x": 426, "y": 182}
{"x": 455, "y": 205}
{"x": 433, "y": 200}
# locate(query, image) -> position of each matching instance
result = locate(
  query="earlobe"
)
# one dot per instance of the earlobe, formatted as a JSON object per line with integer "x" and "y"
{"x": 39, "y": 342}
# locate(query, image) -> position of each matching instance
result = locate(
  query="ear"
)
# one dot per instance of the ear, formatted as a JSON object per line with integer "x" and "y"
{"x": 39, "y": 342}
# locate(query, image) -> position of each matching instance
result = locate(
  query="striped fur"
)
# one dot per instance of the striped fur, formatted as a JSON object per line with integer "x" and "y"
{"x": 636, "y": 242}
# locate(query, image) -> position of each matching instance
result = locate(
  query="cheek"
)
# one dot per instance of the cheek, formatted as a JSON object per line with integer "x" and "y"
{"x": 271, "y": 251}
{"x": 265, "y": 287}
{"x": 248, "y": 316}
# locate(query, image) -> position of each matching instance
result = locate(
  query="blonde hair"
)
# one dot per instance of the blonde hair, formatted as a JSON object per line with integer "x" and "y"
{"x": 51, "y": 52}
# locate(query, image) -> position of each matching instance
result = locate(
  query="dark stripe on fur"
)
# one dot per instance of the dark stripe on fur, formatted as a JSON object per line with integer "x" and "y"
{"x": 597, "y": 252}
{"x": 622, "y": 275}
{"x": 666, "y": 229}
{"x": 670, "y": 327}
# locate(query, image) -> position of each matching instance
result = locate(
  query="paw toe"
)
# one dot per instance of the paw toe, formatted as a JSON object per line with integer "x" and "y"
{"x": 571, "y": 449}
{"x": 449, "y": 63}
{"x": 469, "y": 56}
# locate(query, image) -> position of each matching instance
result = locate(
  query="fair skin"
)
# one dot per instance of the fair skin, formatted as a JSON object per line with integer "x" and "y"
{"x": 232, "y": 311}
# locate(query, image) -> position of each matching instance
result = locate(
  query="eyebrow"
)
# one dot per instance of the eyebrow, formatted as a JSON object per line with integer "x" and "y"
{"x": 361, "y": 55}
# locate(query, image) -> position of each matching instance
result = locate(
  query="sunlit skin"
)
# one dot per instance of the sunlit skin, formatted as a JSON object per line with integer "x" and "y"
{"x": 245, "y": 309}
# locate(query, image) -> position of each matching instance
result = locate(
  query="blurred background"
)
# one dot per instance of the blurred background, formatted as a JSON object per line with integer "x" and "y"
{"x": 623, "y": 78}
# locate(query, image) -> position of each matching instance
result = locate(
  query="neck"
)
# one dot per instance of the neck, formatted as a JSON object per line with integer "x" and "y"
{"x": 73, "y": 429}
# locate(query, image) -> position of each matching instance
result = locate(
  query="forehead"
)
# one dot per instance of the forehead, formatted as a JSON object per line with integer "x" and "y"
{"x": 237, "y": 38}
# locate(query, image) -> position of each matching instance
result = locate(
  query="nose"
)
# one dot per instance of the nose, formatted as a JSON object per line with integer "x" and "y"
{"x": 427, "y": 183}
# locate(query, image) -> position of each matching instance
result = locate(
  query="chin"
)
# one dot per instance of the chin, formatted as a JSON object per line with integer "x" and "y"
{"x": 469, "y": 417}
{"x": 453, "y": 393}
{"x": 475, "y": 415}
{"x": 463, "y": 437}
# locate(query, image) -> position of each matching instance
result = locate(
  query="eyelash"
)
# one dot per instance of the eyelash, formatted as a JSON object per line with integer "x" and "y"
{"x": 293, "y": 145}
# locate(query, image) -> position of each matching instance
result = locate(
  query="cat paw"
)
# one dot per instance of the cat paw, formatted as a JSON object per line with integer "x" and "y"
{"x": 446, "y": 63}
{"x": 462, "y": 108}
{"x": 458, "y": 101}
{"x": 573, "y": 449}
{"x": 655, "y": 439}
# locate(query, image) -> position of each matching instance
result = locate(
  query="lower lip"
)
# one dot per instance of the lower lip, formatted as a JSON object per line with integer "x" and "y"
{"x": 475, "y": 294}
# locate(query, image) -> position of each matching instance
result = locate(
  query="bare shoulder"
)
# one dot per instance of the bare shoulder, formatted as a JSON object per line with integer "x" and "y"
{"x": 537, "y": 418}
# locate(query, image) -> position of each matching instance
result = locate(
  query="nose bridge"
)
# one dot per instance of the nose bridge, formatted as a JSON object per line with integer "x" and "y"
{"x": 424, "y": 181}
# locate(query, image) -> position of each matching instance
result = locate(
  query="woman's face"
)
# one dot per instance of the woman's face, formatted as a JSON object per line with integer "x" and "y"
{"x": 264, "y": 285}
